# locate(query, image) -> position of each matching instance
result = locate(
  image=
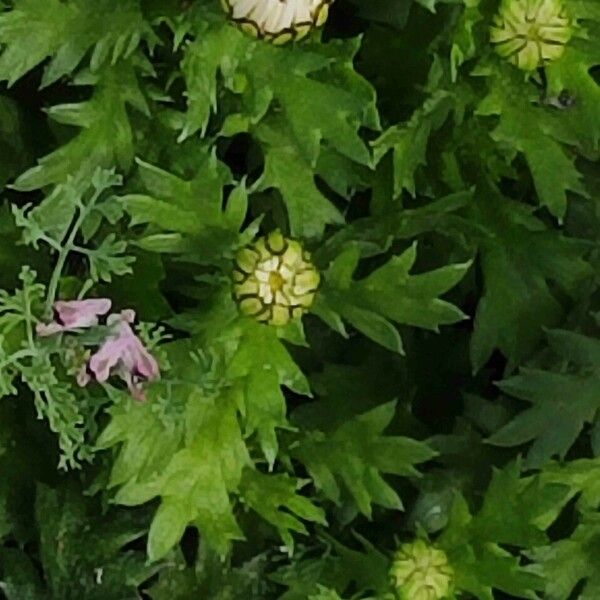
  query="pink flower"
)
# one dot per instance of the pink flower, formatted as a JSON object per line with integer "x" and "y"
{"x": 73, "y": 315}
{"x": 124, "y": 354}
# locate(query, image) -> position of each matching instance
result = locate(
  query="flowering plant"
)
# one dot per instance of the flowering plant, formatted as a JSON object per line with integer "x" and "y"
{"x": 299, "y": 299}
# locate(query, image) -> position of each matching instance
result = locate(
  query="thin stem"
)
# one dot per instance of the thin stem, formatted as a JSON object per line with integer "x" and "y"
{"x": 66, "y": 248}
{"x": 28, "y": 318}
{"x": 85, "y": 288}
{"x": 56, "y": 274}
{"x": 51, "y": 242}
{"x": 26, "y": 353}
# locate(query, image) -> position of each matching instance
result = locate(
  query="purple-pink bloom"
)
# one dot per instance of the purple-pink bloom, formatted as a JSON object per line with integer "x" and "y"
{"x": 74, "y": 314}
{"x": 124, "y": 354}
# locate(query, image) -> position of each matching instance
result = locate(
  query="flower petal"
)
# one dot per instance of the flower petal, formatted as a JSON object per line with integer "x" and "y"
{"x": 74, "y": 314}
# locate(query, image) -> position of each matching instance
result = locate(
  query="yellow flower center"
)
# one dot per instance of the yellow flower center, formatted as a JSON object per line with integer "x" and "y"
{"x": 276, "y": 281}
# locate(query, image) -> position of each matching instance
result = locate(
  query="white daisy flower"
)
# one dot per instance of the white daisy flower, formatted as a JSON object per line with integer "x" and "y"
{"x": 274, "y": 280}
{"x": 278, "y": 21}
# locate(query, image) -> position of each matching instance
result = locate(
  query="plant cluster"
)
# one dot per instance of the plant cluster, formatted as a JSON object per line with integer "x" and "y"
{"x": 299, "y": 299}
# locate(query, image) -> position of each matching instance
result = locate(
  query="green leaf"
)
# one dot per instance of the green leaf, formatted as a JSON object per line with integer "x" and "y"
{"x": 146, "y": 444}
{"x": 180, "y": 205}
{"x": 193, "y": 476}
{"x": 211, "y": 578}
{"x": 260, "y": 74}
{"x": 109, "y": 259}
{"x": 569, "y": 563}
{"x": 275, "y": 498}
{"x": 552, "y": 165}
{"x": 338, "y": 107}
{"x": 325, "y": 594}
{"x": 473, "y": 543}
{"x": 338, "y": 568}
{"x": 196, "y": 483}
{"x": 270, "y": 84}
{"x": 187, "y": 216}
{"x": 573, "y": 73}
{"x": 19, "y": 579}
{"x": 411, "y": 299}
{"x": 561, "y": 403}
{"x": 409, "y": 141}
{"x": 375, "y": 327}
{"x": 205, "y": 57}
{"x": 287, "y": 170}
{"x": 65, "y": 31}
{"x": 515, "y": 510}
{"x": 353, "y": 458}
{"x": 465, "y": 40}
{"x": 521, "y": 261}
{"x": 105, "y": 139}
{"x": 391, "y": 293}
{"x": 263, "y": 364}
{"x": 581, "y": 476}
{"x": 89, "y": 560}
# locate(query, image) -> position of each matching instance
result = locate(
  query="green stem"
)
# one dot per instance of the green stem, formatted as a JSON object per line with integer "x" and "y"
{"x": 54, "y": 280}
{"x": 65, "y": 250}
{"x": 28, "y": 318}
{"x": 26, "y": 353}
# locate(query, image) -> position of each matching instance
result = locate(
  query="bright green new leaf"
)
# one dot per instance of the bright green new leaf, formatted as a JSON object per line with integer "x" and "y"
{"x": 271, "y": 81}
{"x": 262, "y": 364}
{"x": 185, "y": 446}
{"x": 215, "y": 454}
{"x": 205, "y": 58}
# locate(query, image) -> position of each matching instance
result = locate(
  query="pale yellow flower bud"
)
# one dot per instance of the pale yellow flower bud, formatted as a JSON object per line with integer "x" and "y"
{"x": 421, "y": 572}
{"x": 531, "y": 33}
{"x": 274, "y": 280}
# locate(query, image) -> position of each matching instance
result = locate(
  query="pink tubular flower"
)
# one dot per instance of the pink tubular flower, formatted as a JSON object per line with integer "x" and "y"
{"x": 124, "y": 354}
{"x": 75, "y": 314}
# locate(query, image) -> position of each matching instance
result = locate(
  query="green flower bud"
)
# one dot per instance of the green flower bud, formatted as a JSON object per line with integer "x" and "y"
{"x": 277, "y": 21}
{"x": 531, "y": 33}
{"x": 421, "y": 572}
{"x": 274, "y": 280}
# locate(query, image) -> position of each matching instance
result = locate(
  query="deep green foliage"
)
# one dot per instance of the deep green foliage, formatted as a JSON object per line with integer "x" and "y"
{"x": 443, "y": 386}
